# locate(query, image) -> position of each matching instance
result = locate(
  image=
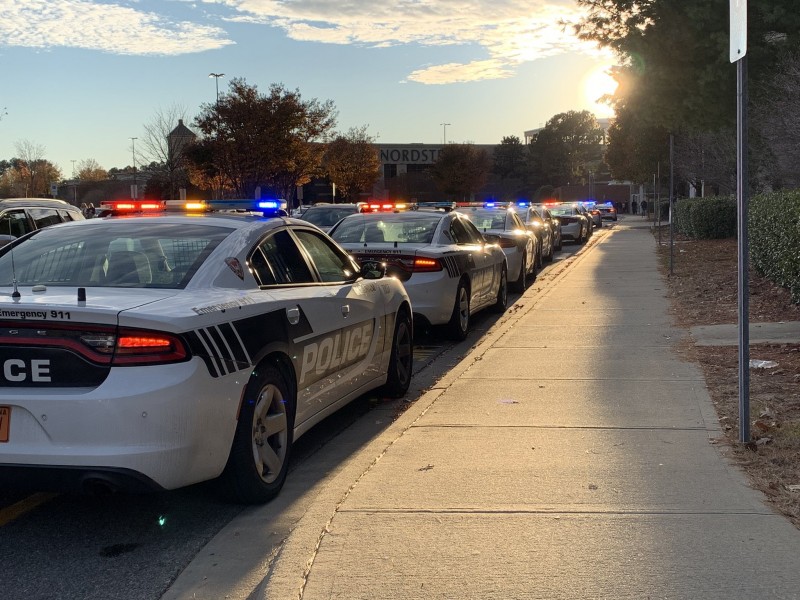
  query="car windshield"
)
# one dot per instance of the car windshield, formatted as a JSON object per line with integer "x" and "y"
{"x": 163, "y": 255}
{"x": 402, "y": 228}
{"x": 327, "y": 216}
{"x": 563, "y": 210}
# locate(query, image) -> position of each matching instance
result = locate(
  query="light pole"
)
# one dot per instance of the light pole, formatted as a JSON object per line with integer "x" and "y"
{"x": 74, "y": 186}
{"x": 216, "y": 77}
{"x": 444, "y": 132}
{"x": 134, "y": 190}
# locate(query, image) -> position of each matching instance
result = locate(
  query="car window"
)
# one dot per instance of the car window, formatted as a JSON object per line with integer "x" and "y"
{"x": 278, "y": 260}
{"x": 44, "y": 216}
{"x": 517, "y": 222}
{"x": 15, "y": 222}
{"x": 331, "y": 264}
{"x": 70, "y": 215}
{"x": 473, "y": 235}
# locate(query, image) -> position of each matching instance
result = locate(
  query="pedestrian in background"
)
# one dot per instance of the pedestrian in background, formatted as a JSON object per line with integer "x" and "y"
{"x": 644, "y": 207}
{"x": 634, "y": 207}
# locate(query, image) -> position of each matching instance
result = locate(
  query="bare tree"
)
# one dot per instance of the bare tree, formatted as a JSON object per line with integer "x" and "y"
{"x": 777, "y": 118}
{"x": 31, "y": 157}
{"x": 90, "y": 170}
{"x": 164, "y": 153}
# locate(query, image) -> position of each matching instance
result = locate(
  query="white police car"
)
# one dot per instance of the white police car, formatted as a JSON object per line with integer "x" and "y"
{"x": 449, "y": 270}
{"x": 500, "y": 223}
{"x": 153, "y": 353}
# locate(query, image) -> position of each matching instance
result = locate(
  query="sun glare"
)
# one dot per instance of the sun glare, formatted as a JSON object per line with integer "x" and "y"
{"x": 595, "y": 85}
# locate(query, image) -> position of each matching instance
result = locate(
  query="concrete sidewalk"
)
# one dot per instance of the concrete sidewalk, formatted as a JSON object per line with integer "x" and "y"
{"x": 570, "y": 455}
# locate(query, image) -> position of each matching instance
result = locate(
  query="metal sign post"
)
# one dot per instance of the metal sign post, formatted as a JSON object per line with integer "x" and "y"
{"x": 738, "y": 50}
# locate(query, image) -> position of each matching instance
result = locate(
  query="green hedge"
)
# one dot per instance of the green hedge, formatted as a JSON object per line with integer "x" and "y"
{"x": 706, "y": 218}
{"x": 774, "y": 238}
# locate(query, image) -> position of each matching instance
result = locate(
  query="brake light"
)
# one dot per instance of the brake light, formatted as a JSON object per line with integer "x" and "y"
{"x": 406, "y": 263}
{"x": 101, "y": 345}
{"x": 426, "y": 265}
{"x": 138, "y": 348}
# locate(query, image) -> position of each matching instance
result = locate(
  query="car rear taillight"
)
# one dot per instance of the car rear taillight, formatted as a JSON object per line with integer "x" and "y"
{"x": 426, "y": 265}
{"x": 98, "y": 344}
{"x": 133, "y": 347}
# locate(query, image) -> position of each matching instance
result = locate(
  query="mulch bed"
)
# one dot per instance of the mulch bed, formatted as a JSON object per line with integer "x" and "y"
{"x": 703, "y": 290}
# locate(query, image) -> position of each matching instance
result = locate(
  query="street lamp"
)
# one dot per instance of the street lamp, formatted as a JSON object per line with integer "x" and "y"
{"x": 444, "y": 132}
{"x": 134, "y": 191}
{"x": 216, "y": 77}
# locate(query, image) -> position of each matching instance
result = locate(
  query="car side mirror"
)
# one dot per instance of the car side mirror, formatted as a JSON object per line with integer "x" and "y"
{"x": 491, "y": 238}
{"x": 372, "y": 269}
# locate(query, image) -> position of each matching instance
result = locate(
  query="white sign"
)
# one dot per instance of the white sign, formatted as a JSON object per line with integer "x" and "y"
{"x": 738, "y": 29}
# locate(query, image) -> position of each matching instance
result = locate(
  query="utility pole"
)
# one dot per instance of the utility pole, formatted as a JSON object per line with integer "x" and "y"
{"x": 134, "y": 189}
{"x": 444, "y": 132}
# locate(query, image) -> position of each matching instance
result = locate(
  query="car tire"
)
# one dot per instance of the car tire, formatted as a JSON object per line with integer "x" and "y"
{"x": 458, "y": 325}
{"x": 501, "y": 304}
{"x": 560, "y": 246}
{"x": 549, "y": 256}
{"x": 401, "y": 361}
{"x": 522, "y": 281}
{"x": 259, "y": 458}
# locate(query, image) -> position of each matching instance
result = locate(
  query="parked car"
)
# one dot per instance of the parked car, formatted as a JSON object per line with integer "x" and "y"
{"x": 607, "y": 210}
{"x": 594, "y": 214}
{"x": 574, "y": 223}
{"x": 522, "y": 247}
{"x": 447, "y": 267}
{"x": 155, "y": 352}
{"x": 326, "y": 216}
{"x": 19, "y": 216}
{"x": 539, "y": 220}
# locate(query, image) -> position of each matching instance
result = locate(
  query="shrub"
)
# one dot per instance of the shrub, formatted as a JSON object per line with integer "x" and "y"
{"x": 706, "y": 218}
{"x": 774, "y": 238}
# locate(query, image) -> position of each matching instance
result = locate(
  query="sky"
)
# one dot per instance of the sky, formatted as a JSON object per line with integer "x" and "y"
{"x": 83, "y": 77}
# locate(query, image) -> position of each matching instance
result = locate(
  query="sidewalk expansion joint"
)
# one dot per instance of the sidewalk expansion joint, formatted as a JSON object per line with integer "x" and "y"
{"x": 576, "y": 427}
{"x": 556, "y": 512}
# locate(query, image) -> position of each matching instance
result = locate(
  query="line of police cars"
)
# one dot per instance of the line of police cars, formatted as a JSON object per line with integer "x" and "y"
{"x": 167, "y": 348}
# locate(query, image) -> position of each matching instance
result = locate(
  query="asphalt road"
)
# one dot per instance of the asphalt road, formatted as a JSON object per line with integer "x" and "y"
{"x": 134, "y": 546}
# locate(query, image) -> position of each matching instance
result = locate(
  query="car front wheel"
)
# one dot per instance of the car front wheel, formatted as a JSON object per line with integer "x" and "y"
{"x": 259, "y": 458}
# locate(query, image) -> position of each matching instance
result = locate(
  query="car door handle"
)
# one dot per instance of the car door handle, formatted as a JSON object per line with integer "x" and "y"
{"x": 293, "y": 315}
{"x": 345, "y": 310}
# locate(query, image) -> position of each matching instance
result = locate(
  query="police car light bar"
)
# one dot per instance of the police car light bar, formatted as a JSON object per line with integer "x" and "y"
{"x": 442, "y": 205}
{"x": 367, "y": 207}
{"x": 133, "y": 205}
{"x": 261, "y": 206}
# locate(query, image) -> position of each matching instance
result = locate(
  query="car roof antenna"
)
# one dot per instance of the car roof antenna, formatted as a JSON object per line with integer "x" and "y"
{"x": 15, "y": 295}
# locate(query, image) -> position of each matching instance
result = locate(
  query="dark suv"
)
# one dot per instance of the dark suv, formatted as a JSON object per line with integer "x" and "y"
{"x": 19, "y": 216}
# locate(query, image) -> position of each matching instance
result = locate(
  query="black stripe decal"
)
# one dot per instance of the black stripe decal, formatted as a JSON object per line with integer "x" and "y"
{"x": 234, "y": 344}
{"x": 216, "y": 342}
{"x": 200, "y": 347}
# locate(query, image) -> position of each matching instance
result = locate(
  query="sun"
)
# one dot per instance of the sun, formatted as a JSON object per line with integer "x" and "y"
{"x": 595, "y": 85}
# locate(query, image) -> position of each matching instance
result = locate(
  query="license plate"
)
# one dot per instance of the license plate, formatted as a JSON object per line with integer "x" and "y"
{"x": 5, "y": 419}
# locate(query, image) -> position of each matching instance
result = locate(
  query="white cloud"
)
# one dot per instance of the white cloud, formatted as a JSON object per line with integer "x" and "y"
{"x": 509, "y": 31}
{"x": 497, "y": 35}
{"x": 105, "y": 27}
